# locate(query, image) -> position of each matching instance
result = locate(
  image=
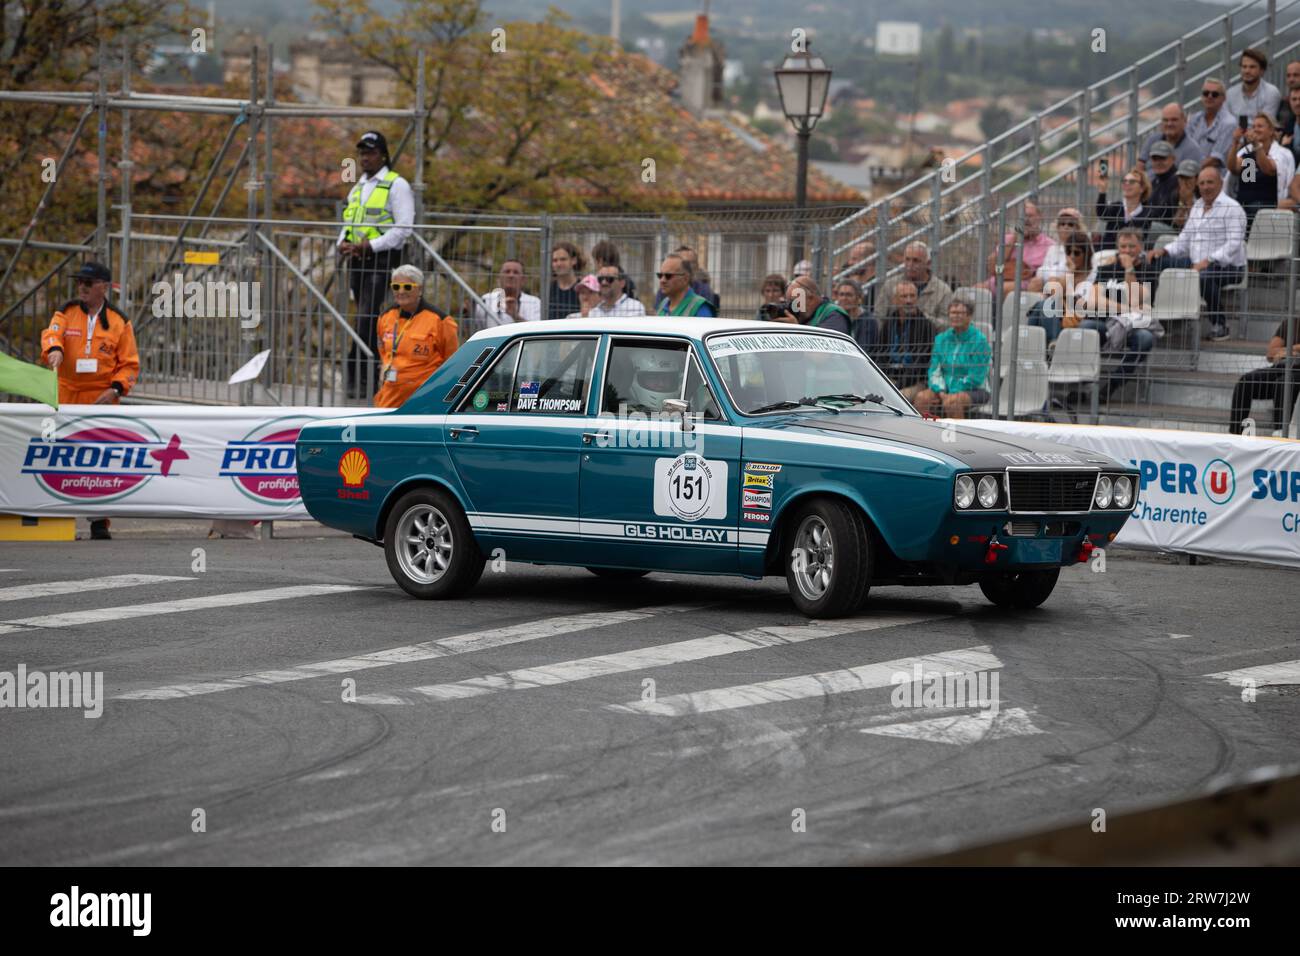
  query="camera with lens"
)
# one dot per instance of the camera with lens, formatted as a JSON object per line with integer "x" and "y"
{"x": 772, "y": 310}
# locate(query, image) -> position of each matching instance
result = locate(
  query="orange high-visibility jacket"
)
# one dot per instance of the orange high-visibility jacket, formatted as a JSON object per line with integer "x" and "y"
{"x": 111, "y": 349}
{"x": 414, "y": 347}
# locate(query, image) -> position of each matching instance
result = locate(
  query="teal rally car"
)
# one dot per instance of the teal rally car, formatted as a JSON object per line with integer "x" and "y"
{"x": 632, "y": 445}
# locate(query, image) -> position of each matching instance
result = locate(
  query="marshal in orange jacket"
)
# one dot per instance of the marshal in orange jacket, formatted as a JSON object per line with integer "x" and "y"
{"x": 412, "y": 347}
{"x": 95, "y": 357}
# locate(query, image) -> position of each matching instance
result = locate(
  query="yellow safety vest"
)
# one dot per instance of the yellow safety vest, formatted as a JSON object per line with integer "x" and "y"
{"x": 364, "y": 219}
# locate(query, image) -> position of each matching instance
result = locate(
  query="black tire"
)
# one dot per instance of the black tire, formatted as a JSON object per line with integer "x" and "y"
{"x": 836, "y": 577}
{"x": 1020, "y": 589}
{"x": 448, "y": 529}
{"x": 618, "y": 574}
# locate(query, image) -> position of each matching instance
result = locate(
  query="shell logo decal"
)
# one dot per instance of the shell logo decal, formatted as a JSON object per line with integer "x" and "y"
{"x": 353, "y": 467}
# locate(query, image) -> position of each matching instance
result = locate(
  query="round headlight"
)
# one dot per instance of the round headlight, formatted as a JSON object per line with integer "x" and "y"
{"x": 964, "y": 493}
{"x": 1103, "y": 492}
{"x": 987, "y": 492}
{"x": 1123, "y": 491}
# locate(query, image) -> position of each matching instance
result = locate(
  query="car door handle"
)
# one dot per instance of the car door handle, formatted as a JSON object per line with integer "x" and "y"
{"x": 469, "y": 430}
{"x": 589, "y": 437}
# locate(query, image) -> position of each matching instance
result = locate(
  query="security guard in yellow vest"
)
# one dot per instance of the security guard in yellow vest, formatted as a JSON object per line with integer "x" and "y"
{"x": 376, "y": 225}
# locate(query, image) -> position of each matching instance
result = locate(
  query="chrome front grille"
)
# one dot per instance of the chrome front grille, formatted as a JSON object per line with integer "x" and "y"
{"x": 1020, "y": 529}
{"x": 1044, "y": 491}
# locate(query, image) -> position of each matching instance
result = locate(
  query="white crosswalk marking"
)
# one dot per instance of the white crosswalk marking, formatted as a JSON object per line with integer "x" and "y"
{"x": 411, "y": 653}
{"x": 55, "y": 588}
{"x": 845, "y": 681}
{"x": 963, "y": 728}
{"x": 102, "y": 615}
{"x": 660, "y": 655}
{"x": 1283, "y": 672}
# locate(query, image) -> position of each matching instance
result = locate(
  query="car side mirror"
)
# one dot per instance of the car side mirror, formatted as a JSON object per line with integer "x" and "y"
{"x": 677, "y": 406}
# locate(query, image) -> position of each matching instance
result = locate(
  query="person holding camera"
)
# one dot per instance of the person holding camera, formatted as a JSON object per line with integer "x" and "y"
{"x": 1263, "y": 166}
{"x": 805, "y": 305}
{"x": 773, "y": 295}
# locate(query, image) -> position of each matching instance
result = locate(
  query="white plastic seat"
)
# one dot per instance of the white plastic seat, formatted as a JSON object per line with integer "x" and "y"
{"x": 1272, "y": 235}
{"x": 1164, "y": 240}
{"x": 1031, "y": 389}
{"x": 1076, "y": 360}
{"x": 1027, "y": 302}
{"x": 1032, "y": 347}
{"x": 1178, "y": 296}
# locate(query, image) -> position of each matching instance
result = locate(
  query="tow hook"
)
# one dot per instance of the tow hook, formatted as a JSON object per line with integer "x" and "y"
{"x": 991, "y": 555}
{"x": 1085, "y": 551}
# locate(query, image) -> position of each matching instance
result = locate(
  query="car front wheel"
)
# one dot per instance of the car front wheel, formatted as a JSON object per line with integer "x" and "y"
{"x": 430, "y": 549}
{"x": 828, "y": 565}
{"x": 1020, "y": 589}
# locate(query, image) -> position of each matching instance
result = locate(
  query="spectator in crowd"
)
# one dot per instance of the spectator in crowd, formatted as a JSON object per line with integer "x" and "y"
{"x": 1263, "y": 167}
{"x": 1065, "y": 295}
{"x": 863, "y": 326}
{"x": 906, "y": 341}
{"x": 802, "y": 268}
{"x": 933, "y": 294}
{"x": 773, "y": 294}
{"x": 807, "y": 306}
{"x": 1173, "y": 130}
{"x": 413, "y": 339}
{"x": 699, "y": 281}
{"x": 566, "y": 265}
{"x": 1068, "y": 221}
{"x": 1269, "y": 382}
{"x": 1119, "y": 300}
{"x": 376, "y": 224}
{"x": 1037, "y": 245}
{"x": 675, "y": 283}
{"x": 959, "y": 368}
{"x": 588, "y": 289}
{"x": 1286, "y": 113}
{"x": 1291, "y": 130}
{"x": 1211, "y": 130}
{"x": 1187, "y": 194}
{"x": 613, "y": 299}
{"x": 1163, "y": 202}
{"x": 1213, "y": 242}
{"x": 508, "y": 302}
{"x": 1130, "y": 212}
{"x": 605, "y": 253}
{"x": 1254, "y": 94}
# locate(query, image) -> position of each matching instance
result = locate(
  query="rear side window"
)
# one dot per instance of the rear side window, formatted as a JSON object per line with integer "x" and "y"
{"x": 537, "y": 376}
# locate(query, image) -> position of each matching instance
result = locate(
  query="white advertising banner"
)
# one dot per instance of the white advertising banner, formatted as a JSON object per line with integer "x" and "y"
{"x": 1201, "y": 493}
{"x": 162, "y": 461}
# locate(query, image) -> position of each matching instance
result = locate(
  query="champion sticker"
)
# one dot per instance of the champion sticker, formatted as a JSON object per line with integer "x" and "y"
{"x": 690, "y": 487}
{"x": 756, "y": 499}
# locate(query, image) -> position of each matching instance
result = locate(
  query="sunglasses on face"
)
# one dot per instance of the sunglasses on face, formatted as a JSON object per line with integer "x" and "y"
{"x": 1132, "y": 182}
{"x": 1212, "y": 94}
{"x": 668, "y": 275}
{"x": 1076, "y": 252}
{"x": 402, "y": 286}
{"x": 606, "y": 280}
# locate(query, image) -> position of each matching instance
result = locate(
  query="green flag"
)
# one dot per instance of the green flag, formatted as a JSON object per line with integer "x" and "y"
{"x": 23, "y": 378}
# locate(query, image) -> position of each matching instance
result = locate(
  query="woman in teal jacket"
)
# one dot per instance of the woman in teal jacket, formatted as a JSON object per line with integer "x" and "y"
{"x": 959, "y": 366}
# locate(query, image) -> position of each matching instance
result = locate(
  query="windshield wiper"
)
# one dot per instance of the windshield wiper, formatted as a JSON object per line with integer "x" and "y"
{"x": 858, "y": 399}
{"x": 777, "y": 406}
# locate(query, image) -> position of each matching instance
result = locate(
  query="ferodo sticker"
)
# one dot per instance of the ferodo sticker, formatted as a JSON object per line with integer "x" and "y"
{"x": 690, "y": 487}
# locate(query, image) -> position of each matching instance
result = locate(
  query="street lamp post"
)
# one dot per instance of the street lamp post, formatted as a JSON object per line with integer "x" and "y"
{"x": 802, "y": 81}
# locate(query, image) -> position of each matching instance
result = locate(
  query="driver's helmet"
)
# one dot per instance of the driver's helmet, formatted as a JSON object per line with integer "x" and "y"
{"x": 656, "y": 375}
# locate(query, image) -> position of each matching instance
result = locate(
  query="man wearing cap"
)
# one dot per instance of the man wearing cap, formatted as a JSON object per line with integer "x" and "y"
{"x": 91, "y": 345}
{"x": 1262, "y": 165}
{"x": 377, "y": 222}
{"x": 1188, "y": 170}
{"x": 1173, "y": 130}
{"x": 1211, "y": 129}
{"x": 1163, "y": 201}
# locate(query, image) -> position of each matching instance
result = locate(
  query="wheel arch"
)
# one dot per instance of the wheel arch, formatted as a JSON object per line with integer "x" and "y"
{"x": 405, "y": 485}
{"x": 778, "y": 541}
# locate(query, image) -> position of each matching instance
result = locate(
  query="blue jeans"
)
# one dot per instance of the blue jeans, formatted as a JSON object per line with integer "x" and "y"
{"x": 1049, "y": 321}
{"x": 1213, "y": 279}
{"x": 1137, "y": 344}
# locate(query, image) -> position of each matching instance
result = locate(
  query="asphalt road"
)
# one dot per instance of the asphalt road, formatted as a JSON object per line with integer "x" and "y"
{"x": 517, "y": 726}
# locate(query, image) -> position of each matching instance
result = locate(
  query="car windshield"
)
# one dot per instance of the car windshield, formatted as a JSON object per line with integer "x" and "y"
{"x": 793, "y": 371}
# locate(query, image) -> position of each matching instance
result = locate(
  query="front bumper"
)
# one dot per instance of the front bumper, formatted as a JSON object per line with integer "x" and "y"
{"x": 999, "y": 541}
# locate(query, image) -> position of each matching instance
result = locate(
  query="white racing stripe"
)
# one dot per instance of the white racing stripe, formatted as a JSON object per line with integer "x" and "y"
{"x": 102, "y": 615}
{"x": 412, "y": 653}
{"x": 866, "y": 677}
{"x": 54, "y": 588}
{"x": 660, "y": 655}
{"x": 1283, "y": 672}
{"x": 964, "y": 728}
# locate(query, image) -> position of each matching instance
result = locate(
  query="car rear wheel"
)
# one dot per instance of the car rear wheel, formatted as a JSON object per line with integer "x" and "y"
{"x": 828, "y": 566}
{"x": 1020, "y": 589}
{"x": 618, "y": 574}
{"x": 430, "y": 549}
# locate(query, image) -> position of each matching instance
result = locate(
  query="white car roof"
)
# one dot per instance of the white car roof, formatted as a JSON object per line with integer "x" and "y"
{"x": 665, "y": 325}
